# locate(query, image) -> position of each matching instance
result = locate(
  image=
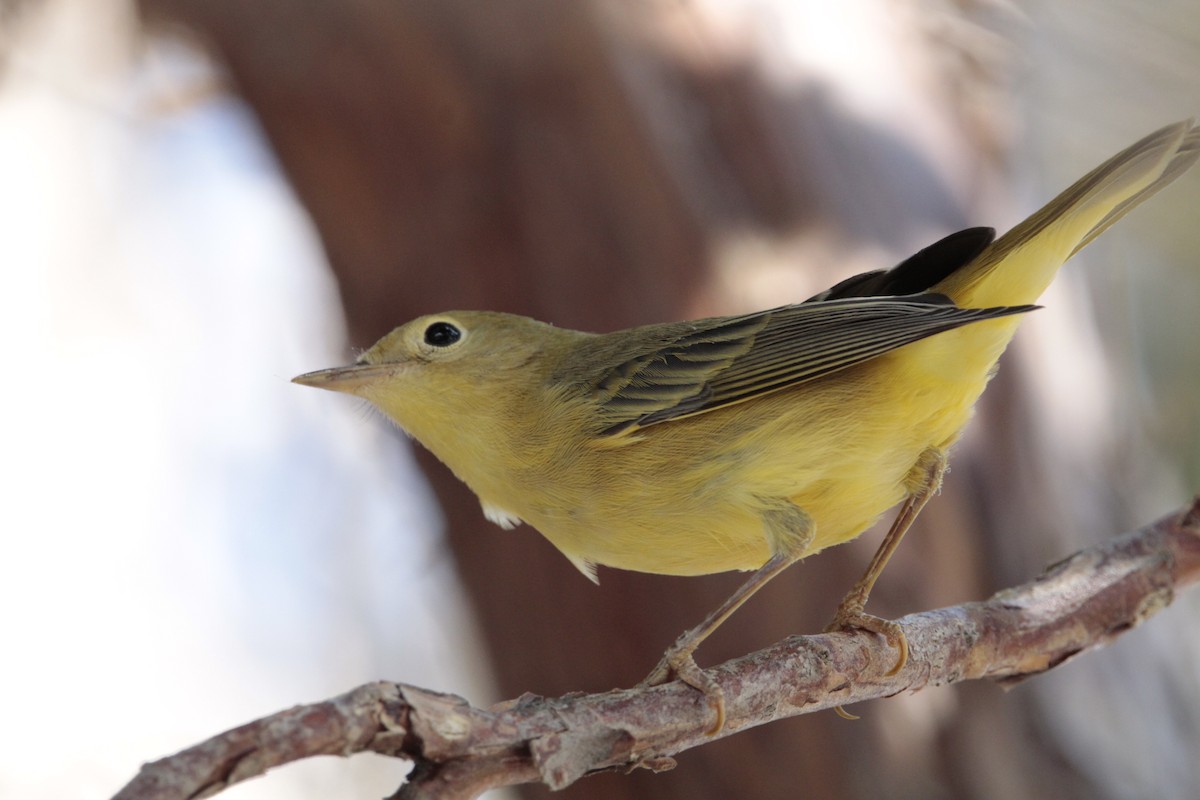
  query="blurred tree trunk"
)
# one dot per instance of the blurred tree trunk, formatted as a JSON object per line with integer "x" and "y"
{"x": 588, "y": 164}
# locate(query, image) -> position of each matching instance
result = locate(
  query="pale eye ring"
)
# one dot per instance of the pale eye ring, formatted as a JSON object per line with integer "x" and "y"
{"x": 442, "y": 334}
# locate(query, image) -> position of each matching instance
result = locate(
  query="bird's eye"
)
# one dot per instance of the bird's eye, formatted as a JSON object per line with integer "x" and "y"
{"x": 442, "y": 334}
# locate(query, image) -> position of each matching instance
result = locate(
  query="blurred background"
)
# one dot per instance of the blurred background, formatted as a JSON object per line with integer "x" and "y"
{"x": 199, "y": 200}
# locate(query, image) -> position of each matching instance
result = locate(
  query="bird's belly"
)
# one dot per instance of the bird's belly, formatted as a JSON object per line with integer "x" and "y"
{"x": 720, "y": 525}
{"x": 688, "y": 497}
{"x": 661, "y": 506}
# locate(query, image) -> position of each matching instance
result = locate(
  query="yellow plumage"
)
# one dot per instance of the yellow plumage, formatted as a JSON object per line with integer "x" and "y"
{"x": 686, "y": 496}
{"x": 745, "y": 442}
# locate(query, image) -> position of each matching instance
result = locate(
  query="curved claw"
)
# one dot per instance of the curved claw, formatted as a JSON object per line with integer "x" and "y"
{"x": 900, "y": 642}
{"x": 844, "y": 714}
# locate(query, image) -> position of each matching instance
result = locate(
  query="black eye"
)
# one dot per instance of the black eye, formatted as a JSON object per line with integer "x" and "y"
{"x": 442, "y": 334}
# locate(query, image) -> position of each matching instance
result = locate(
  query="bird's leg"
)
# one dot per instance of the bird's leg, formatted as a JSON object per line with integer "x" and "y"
{"x": 790, "y": 531}
{"x": 677, "y": 662}
{"x": 925, "y": 480}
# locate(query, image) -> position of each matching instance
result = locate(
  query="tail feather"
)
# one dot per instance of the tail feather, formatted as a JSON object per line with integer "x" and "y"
{"x": 1018, "y": 266}
{"x": 1171, "y": 162}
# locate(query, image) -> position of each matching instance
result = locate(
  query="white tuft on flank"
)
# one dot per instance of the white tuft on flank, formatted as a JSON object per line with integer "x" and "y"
{"x": 505, "y": 519}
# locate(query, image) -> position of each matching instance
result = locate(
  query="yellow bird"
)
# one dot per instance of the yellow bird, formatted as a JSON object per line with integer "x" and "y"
{"x": 744, "y": 442}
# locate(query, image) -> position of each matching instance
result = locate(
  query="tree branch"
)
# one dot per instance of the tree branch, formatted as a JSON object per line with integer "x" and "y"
{"x": 461, "y": 751}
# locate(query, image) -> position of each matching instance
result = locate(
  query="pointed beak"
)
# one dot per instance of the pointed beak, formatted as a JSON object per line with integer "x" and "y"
{"x": 351, "y": 380}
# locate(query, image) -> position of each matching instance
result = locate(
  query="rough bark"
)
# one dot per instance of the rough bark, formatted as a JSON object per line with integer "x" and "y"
{"x": 460, "y": 751}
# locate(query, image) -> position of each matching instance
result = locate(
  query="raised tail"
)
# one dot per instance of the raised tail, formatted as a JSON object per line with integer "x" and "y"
{"x": 1017, "y": 267}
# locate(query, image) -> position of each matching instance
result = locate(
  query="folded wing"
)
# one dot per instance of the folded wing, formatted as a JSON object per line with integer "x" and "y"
{"x": 726, "y": 360}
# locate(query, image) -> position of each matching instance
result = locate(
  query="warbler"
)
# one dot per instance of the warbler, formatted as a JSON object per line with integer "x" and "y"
{"x": 743, "y": 442}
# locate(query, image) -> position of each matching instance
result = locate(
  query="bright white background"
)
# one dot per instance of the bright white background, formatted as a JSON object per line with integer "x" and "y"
{"x": 190, "y": 541}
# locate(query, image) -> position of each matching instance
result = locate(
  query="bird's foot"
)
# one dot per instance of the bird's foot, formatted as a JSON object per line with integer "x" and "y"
{"x": 850, "y": 616}
{"x": 677, "y": 663}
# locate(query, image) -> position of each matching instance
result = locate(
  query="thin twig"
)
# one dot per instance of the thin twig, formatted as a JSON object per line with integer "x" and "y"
{"x": 461, "y": 751}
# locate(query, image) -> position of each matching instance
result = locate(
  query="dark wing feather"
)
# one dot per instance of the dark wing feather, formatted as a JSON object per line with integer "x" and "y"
{"x": 675, "y": 374}
{"x": 722, "y": 361}
{"x": 918, "y": 272}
